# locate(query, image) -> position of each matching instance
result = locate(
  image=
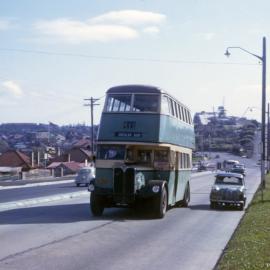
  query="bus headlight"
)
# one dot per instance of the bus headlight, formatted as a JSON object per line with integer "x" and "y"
{"x": 91, "y": 187}
{"x": 155, "y": 189}
{"x": 139, "y": 181}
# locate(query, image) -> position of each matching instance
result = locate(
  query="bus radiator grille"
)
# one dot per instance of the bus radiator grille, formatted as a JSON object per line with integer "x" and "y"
{"x": 124, "y": 185}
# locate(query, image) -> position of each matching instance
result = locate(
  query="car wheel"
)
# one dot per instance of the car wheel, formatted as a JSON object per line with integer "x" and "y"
{"x": 77, "y": 185}
{"x": 160, "y": 204}
{"x": 242, "y": 205}
{"x": 96, "y": 204}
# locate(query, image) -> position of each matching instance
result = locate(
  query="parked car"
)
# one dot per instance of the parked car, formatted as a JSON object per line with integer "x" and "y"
{"x": 239, "y": 168}
{"x": 228, "y": 189}
{"x": 85, "y": 176}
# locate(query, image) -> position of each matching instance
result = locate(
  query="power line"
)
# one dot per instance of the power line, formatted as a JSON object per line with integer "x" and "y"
{"x": 116, "y": 58}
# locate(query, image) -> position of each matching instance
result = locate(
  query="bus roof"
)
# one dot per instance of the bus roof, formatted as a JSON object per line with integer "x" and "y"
{"x": 135, "y": 89}
{"x": 140, "y": 88}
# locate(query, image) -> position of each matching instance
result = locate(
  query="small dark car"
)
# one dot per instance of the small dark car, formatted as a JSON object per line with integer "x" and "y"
{"x": 239, "y": 168}
{"x": 228, "y": 189}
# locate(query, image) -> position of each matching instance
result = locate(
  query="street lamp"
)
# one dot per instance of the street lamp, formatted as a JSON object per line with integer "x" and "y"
{"x": 263, "y": 60}
{"x": 250, "y": 109}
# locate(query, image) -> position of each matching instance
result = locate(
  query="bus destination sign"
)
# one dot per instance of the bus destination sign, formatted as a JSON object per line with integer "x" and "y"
{"x": 128, "y": 134}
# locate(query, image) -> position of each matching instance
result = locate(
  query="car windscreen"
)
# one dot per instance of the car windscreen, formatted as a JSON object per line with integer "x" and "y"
{"x": 84, "y": 171}
{"x": 228, "y": 180}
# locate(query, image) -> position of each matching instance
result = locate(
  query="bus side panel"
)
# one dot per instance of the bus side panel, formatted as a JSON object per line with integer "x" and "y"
{"x": 170, "y": 130}
{"x": 184, "y": 177}
{"x": 171, "y": 188}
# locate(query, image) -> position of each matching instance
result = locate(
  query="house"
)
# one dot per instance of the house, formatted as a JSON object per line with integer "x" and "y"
{"x": 83, "y": 143}
{"x": 79, "y": 155}
{"x": 15, "y": 159}
{"x": 64, "y": 168}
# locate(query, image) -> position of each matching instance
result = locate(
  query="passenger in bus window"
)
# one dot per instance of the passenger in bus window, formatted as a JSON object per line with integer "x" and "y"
{"x": 144, "y": 156}
{"x": 161, "y": 155}
{"x": 129, "y": 155}
{"x": 111, "y": 153}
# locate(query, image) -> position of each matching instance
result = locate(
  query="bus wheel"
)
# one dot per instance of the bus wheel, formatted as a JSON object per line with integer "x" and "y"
{"x": 185, "y": 201}
{"x": 161, "y": 204}
{"x": 96, "y": 204}
{"x": 213, "y": 205}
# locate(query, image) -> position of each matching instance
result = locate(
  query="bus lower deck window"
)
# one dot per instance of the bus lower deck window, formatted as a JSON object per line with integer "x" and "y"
{"x": 161, "y": 155}
{"x": 144, "y": 156}
{"x": 111, "y": 152}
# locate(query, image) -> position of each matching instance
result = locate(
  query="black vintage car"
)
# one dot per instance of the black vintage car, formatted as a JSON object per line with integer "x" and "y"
{"x": 228, "y": 189}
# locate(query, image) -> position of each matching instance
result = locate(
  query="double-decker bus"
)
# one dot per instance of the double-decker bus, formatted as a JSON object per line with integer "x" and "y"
{"x": 144, "y": 151}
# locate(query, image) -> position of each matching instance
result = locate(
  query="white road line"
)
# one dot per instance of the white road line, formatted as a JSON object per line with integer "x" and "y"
{"x": 40, "y": 200}
{"x": 38, "y": 184}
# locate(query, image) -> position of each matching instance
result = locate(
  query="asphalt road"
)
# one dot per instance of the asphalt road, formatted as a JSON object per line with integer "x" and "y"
{"x": 10, "y": 194}
{"x": 64, "y": 235}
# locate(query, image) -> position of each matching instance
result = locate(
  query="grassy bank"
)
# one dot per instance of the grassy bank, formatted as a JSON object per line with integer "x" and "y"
{"x": 249, "y": 247}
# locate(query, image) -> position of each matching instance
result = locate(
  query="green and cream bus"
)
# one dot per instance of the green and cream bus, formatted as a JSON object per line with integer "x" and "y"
{"x": 144, "y": 151}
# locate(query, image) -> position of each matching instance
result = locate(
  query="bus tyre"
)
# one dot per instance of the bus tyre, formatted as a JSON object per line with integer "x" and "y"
{"x": 161, "y": 204}
{"x": 96, "y": 204}
{"x": 213, "y": 205}
{"x": 186, "y": 199}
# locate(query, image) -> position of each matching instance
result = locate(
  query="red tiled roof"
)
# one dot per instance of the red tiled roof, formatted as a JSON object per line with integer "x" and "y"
{"x": 15, "y": 159}
{"x": 82, "y": 143}
{"x": 86, "y": 152}
{"x": 75, "y": 154}
{"x": 73, "y": 166}
{"x": 24, "y": 157}
{"x": 54, "y": 165}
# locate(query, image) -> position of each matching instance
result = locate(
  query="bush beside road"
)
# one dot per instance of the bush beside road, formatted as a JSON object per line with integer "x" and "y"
{"x": 249, "y": 247}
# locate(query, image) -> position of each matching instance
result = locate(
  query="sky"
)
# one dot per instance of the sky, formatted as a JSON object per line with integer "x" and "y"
{"x": 55, "y": 54}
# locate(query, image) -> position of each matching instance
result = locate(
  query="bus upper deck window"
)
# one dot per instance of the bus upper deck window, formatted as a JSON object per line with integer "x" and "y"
{"x": 146, "y": 103}
{"x": 165, "y": 105}
{"x": 172, "y": 107}
{"x": 118, "y": 103}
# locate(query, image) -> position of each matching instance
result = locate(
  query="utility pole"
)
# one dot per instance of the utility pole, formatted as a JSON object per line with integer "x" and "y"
{"x": 91, "y": 103}
{"x": 268, "y": 139}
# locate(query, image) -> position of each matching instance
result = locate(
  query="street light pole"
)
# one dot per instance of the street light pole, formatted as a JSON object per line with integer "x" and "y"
{"x": 263, "y": 112}
{"x": 263, "y": 60}
{"x": 268, "y": 138}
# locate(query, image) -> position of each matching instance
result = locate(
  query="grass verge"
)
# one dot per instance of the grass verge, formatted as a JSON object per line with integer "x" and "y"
{"x": 249, "y": 247}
